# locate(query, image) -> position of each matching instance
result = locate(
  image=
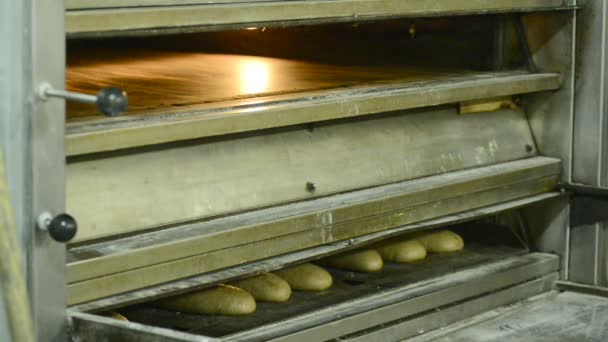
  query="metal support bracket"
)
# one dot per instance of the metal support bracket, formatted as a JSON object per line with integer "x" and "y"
{"x": 588, "y": 205}
{"x": 523, "y": 43}
{"x": 581, "y": 288}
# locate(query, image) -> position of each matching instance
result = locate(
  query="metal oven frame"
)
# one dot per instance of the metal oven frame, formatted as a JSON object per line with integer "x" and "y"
{"x": 570, "y": 124}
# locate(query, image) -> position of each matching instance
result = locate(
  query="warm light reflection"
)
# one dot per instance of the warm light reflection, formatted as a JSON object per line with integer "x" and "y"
{"x": 255, "y": 76}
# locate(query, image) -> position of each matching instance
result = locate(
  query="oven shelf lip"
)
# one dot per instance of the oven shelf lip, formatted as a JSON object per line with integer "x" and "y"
{"x": 119, "y": 18}
{"x": 94, "y": 136}
{"x": 529, "y": 173}
{"x": 198, "y": 237}
{"x": 300, "y": 256}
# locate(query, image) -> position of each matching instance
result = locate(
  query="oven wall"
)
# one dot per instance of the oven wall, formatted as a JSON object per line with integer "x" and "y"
{"x": 571, "y": 124}
{"x": 552, "y": 42}
{"x": 590, "y": 145}
{"x": 31, "y": 140}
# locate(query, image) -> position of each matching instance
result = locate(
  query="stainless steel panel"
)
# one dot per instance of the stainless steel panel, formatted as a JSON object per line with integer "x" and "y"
{"x": 180, "y": 268}
{"x": 590, "y": 144}
{"x": 201, "y": 247}
{"x": 214, "y": 234}
{"x": 590, "y": 163}
{"x": 448, "y": 315}
{"x": 32, "y": 135}
{"x": 132, "y": 191}
{"x": 247, "y": 13}
{"x": 469, "y": 322}
{"x": 551, "y": 115}
{"x": 547, "y": 224}
{"x": 553, "y": 44}
{"x": 46, "y": 123}
{"x": 282, "y": 261}
{"x": 583, "y": 252}
{"x": 566, "y": 316}
{"x": 424, "y": 88}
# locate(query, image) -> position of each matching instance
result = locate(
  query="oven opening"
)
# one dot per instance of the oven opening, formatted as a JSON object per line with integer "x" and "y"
{"x": 172, "y": 74}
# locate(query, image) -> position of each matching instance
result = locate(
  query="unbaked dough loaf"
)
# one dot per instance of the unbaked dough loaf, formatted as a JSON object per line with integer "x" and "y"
{"x": 306, "y": 277}
{"x": 368, "y": 260}
{"x": 442, "y": 241}
{"x": 266, "y": 287}
{"x": 116, "y": 315}
{"x": 401, "y": 250}
{"x": 219, "y": 300}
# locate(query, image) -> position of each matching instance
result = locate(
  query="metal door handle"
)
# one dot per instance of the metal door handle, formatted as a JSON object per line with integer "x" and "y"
{"x": 109, "y": 101}
{"x": 62, "y": 227}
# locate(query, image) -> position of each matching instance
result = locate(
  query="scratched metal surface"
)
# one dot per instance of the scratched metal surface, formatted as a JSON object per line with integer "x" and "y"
{"x": 565, "y": 317}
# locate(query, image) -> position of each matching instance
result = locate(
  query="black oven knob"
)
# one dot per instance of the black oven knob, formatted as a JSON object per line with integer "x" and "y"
{"x": 62, "y": 228}
{"x": 111, "y": 101}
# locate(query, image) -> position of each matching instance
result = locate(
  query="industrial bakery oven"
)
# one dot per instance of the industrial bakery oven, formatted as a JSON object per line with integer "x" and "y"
{"x": 260, "y": 135}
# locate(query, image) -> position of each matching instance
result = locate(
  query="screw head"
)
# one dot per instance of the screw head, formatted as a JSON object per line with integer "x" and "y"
{"x": 311, "y": 187}
{"x": 529, "y": 148}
